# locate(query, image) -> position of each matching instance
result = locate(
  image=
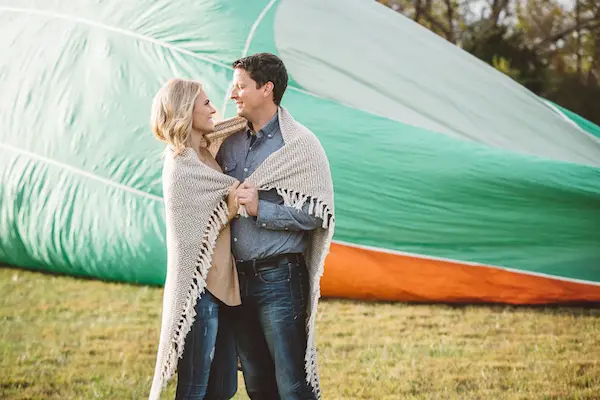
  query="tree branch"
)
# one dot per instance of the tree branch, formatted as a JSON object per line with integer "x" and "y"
{"x": 591, "y": 24}
{"x": 450, "y": 16}
{"x": 497, "y": 7}
{"x": 592, "y": 73}
{"x": 418, "y": 10}
{"x": 578, "y": 23}
{"x": 426, "y": 12}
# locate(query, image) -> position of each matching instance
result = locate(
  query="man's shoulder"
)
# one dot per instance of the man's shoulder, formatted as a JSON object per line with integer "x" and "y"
{"x": 286, "y": 118}
{"x": 303, "y": 132}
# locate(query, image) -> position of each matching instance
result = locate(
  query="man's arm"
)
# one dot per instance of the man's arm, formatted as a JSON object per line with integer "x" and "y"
{"x": 282, "y": 218}
{"x": 274, "y": 216}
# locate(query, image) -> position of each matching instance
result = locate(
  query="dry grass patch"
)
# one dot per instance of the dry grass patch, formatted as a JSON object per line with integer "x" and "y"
{"x": 65, "y": 338}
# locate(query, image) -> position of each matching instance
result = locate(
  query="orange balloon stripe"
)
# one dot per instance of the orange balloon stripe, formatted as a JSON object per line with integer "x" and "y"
{"x": 364, "y": 274}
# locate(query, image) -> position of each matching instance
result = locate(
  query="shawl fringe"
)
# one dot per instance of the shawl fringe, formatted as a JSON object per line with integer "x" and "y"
{"x": 217, "y": 219}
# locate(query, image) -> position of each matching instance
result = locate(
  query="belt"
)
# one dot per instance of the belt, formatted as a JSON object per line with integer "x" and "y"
{"x": 264, "y": 264}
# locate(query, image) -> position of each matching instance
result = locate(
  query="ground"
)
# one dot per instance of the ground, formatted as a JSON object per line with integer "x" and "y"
{"x": 66, "y": 338}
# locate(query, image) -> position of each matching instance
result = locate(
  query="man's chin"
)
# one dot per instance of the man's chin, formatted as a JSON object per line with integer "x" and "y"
{"x": 242, "y": 113}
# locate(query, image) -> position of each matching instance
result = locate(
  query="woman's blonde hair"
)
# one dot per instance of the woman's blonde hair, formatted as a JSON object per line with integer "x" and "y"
{"x": 172, "y": 108}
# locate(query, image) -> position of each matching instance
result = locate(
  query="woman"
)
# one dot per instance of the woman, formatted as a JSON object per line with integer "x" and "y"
{"x": 182, "y": 116}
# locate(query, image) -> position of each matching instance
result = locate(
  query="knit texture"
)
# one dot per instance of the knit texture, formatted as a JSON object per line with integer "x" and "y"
{"x": 195, "y": 211}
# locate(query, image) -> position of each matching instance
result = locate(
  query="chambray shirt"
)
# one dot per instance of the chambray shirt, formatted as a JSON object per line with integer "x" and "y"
{"x": 277, "y": 229}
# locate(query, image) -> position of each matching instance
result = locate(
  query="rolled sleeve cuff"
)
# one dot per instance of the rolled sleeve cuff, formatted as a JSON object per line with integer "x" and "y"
{"x": 267, "y": 214}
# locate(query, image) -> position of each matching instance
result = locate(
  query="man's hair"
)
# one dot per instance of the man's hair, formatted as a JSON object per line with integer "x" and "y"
{"x": 263, "y": 68}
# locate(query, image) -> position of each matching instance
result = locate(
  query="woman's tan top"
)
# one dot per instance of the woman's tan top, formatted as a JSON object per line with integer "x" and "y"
{"x": 222, "y": 280}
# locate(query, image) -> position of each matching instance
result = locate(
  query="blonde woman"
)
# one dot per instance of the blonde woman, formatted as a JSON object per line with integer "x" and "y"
{"x": 182, "y": 116}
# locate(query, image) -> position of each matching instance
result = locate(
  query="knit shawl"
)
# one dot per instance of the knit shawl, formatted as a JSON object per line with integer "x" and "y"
{"x": 195, "y": 207}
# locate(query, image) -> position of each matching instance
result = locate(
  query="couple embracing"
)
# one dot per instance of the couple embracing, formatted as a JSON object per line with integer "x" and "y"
{"x": 249, "y": 216}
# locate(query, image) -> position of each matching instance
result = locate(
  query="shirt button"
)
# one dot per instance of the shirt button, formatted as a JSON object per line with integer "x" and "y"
{"x": 235, "y": 239}
{"x": 270, "y": 135}
{"x": 264, "y": 225}
{"x": 245, "y": 169}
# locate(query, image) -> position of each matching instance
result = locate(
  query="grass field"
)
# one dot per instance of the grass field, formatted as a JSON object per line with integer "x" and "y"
{"x": 64, "y": 338}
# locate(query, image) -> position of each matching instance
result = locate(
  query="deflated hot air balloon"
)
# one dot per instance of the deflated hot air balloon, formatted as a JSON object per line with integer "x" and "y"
{"x": 453, "y": 183}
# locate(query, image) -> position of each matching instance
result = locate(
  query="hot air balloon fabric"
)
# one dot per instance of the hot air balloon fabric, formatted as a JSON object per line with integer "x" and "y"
{"x": 452, "y": 182}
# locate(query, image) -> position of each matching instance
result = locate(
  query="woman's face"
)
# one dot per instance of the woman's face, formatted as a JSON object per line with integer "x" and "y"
{"x": 202, "y": 115}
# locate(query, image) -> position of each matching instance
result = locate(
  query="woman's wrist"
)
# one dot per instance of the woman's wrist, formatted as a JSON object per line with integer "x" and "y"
{"x": 230, "y": 217}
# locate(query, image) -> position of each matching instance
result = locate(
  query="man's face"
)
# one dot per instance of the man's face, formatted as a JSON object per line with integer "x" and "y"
{"x": 248, "y": 98}
{"x": 202, "y": 116}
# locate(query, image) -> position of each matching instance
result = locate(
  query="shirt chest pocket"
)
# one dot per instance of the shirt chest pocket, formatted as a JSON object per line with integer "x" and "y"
{"x": 229, "y": 167}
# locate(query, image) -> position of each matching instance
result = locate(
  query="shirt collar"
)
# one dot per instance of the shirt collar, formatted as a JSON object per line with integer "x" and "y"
{"x": 268, "y": 130}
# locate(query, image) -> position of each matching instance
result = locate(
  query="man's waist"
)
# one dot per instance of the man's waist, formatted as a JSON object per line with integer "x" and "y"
{"x": 262, "y": 264}
{"x": 249, "y": 242}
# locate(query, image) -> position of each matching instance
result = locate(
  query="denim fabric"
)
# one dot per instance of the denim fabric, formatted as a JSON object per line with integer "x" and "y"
{"x": 203, "y": 359}
{"x": 270, "y": 331}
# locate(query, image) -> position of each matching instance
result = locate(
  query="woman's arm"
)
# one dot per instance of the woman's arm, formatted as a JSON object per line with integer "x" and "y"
{"x": 232, "y": 203}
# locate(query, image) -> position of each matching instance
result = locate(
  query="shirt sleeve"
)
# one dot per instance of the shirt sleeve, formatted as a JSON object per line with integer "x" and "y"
{"x": 278, "y": 217}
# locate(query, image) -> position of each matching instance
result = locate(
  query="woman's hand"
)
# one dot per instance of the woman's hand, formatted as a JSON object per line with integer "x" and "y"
{"x": 232, "y": 201}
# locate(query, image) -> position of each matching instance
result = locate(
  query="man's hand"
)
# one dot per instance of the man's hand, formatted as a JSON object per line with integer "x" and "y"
{"x": 247, "y": 195}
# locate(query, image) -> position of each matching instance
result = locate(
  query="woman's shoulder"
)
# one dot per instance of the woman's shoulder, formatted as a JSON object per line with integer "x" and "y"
{"x": 175, "y": 163}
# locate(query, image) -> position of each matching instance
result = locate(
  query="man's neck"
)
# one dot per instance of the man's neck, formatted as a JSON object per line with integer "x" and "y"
{"x": 263, "y": 117}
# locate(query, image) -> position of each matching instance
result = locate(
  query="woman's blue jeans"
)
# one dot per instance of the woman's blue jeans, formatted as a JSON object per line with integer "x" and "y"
{"x": 207, "y": 369}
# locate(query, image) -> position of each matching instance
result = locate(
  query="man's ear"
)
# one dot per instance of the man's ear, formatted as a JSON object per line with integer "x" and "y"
{"x": 268, "y": 88}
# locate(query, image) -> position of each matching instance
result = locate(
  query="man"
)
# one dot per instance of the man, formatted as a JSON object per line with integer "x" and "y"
{"x": 268, "y": 246}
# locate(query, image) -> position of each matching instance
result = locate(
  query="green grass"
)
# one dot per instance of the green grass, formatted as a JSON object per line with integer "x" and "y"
{"x": 65, "y": 338}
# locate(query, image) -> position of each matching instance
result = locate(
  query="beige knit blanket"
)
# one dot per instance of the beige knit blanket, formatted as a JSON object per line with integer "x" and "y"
{"x": 195, "y": 207}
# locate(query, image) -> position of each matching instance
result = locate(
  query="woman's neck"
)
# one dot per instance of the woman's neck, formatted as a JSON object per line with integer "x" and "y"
{"x": 198, "y": 141}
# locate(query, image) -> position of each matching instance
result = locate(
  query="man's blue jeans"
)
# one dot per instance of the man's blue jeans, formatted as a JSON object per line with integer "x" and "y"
{"x": 208, "y": 367}
{"x": 270, "y": 331}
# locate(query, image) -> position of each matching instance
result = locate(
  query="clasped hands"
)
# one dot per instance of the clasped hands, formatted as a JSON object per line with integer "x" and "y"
{"x": 245, "y": 194}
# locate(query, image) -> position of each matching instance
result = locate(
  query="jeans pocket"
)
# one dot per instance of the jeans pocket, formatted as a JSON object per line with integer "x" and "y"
{"x": 299, "y": 290}
{"x": 243, "y": 282}
{"x": 275, "y": 275}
